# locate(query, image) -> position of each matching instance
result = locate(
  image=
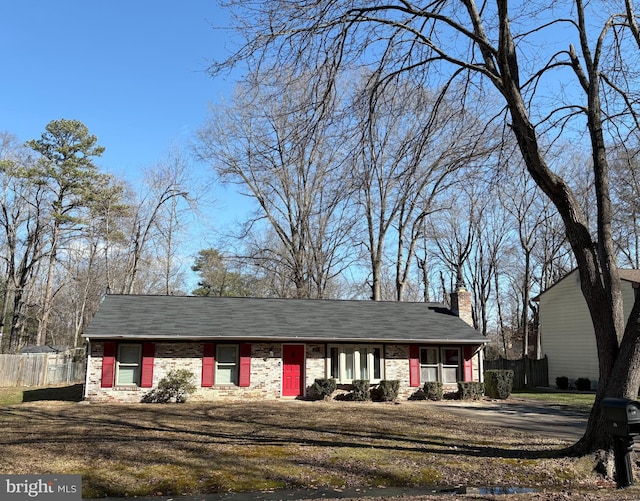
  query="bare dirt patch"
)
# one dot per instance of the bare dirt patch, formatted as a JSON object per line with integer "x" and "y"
{"x": 141, "y": 450}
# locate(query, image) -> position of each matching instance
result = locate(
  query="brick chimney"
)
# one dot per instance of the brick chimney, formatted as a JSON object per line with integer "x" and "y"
{"x": 461, "y": 304}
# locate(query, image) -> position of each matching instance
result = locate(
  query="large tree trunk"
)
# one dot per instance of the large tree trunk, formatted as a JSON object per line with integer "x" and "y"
{"x": 417, "y": 36}
{"x": 604, "y": 306}
{"x": 596, "y": 261}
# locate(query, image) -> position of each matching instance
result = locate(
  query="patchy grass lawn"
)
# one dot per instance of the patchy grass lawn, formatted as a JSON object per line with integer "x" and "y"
{"x": 147, "y": 449}
{"x": 581, "y": 401}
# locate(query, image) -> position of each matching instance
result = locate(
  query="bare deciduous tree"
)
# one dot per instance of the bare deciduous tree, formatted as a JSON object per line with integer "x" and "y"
{"x": 491, "y": 236}
{"x": 411, "y": 144}
{"x": 625, "y": 174}
{"x": 521, "y": 199}
{"x": 288, "y": 158}
{"x": 87, "y": 274}
{"x": 454, "y": 234}
{"x": 512, "y": 51}
{"x": 23, "y": 222}
{"x": 153, "y": 220}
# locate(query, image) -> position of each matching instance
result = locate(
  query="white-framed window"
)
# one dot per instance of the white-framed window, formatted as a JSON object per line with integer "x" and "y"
{"x": 429, "y": 370}
{"x": 128, "y": 364}
{"x": 348, "y": 362}
{"x": 226, "y": 364}
{"x": 440, "y": 364}
{"x": 450, "y": 358}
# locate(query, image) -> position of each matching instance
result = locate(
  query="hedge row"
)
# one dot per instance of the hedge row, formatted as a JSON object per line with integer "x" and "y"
{"x": 581, "y": 384}
{"x": 498, "y": 384}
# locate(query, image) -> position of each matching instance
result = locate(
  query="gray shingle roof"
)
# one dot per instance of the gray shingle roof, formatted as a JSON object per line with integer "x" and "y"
{"x": 44, "y": 349}
{"x": 255, "y": 319}
{"x": 629, "y": 275}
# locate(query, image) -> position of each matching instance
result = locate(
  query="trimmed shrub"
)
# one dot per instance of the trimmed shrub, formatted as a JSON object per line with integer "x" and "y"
{"x": 433, "y": 390}
{"x": 498, "y": 383}
{"x": 175, "y": 386}
{"x": 583, "y": 384}
{"x": 470, "y": 390}
{"x": 562, "y": 383}
{"x": 387, "y": 391}
{"x": 360, "y": 390}
{"x": 324, "y": 388}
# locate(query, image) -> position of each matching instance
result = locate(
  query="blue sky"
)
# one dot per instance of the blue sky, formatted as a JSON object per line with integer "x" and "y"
{"x": 132, "y": 71}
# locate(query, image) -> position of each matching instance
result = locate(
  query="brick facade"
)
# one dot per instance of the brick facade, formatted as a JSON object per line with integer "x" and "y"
{"x": 266, "y": 371}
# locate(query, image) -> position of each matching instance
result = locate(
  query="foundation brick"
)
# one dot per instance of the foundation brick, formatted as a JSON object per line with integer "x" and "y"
{"x": 266, "y": 371}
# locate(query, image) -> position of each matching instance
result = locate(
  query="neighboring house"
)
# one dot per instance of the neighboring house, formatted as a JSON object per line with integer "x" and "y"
{"x": 566, "y": 331}
{"x": 273, "y": 348}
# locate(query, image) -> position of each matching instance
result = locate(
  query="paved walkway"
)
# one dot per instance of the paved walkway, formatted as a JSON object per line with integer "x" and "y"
{"x": 331, "y": 494}
{"x": 301, "y": 494}
{"x": 523, "y": 415}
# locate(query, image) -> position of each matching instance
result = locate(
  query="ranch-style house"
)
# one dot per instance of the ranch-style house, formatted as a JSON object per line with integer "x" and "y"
{"x": 241, "y": 348}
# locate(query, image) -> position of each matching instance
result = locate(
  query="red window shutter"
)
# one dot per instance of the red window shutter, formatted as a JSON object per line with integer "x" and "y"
{"x": 414, "y": 365}
{"x": 245, "y": 365}
{"x": 467, "y": 355}
{"x": 108, "y": 365}
{"x": 208, "y": 364}
{"x": 148, "y": 353}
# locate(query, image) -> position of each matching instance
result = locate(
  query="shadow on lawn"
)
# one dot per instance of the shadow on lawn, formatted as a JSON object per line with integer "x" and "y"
{"x": 227, "y": 446}
{"x": 190, "y": 429}
{"x": 71, "y": 393}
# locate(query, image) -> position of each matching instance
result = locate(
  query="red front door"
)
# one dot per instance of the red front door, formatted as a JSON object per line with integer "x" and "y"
{"x": 292, "y": 370}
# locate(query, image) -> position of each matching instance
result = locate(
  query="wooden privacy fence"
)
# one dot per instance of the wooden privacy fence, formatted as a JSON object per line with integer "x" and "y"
{"x": 41, "y": 369}
{"x": 537, "y": 371}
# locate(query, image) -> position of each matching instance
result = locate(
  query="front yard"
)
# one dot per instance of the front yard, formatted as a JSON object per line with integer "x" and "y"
{"x": 147, "y": 449}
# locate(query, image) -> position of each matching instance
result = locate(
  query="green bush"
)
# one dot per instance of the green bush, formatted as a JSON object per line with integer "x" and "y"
{"x": 433, "y": 390}
{"x": 175, "y": 386}
{"x": 470, "y": 390}
{"x": 324, "y": 388}
{"x": 562, "y": 383}
{"x": 498, "y": 383}
{"x": 360, "y": 390}
{"x": 387, "y": 391}
{"x": 583, "y": 384}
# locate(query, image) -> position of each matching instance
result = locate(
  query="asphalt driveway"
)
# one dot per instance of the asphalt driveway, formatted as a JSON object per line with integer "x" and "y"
{"x": 523, "y": 415}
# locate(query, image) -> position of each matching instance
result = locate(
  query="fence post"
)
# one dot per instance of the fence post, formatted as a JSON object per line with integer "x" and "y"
{"x": 20, "y": 378}
{"x": 45, "y": 369}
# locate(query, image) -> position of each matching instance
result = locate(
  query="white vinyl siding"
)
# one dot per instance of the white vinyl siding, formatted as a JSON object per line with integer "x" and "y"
{"x": 566, "y": 330}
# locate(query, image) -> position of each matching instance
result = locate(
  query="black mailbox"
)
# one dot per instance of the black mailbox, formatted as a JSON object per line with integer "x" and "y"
{"x": 622, "y": 416}
{"x": 623, "y": 421}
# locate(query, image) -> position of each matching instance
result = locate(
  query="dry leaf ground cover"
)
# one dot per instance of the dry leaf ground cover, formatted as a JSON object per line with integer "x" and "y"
{"x": 146, "y": 449}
